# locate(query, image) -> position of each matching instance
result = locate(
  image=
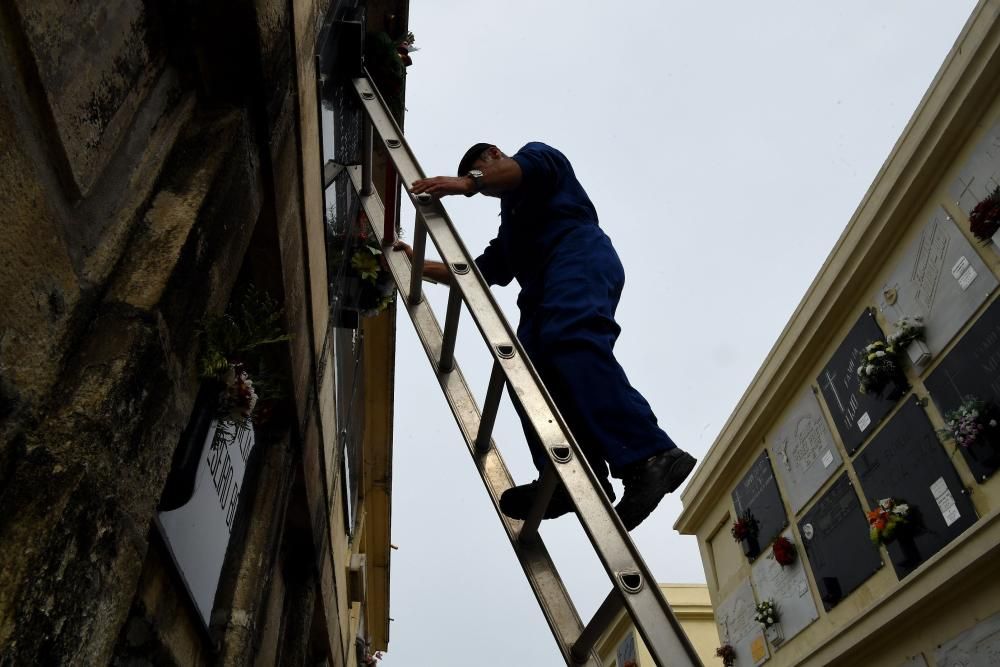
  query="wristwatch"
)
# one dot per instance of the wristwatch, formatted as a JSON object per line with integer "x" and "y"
{"x": 477, "y": 181}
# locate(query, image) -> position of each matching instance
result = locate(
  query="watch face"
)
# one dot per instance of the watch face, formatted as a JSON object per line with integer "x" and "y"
{"x": 475, "y": 173}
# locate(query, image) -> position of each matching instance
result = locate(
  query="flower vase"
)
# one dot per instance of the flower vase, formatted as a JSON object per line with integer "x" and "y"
{"x": 908, "y": 547}
{"x": 985, "y": 452}
{"x": 774, "y": 634}
{"x": 918, "y": 353}
{"x": 751, "y": 549}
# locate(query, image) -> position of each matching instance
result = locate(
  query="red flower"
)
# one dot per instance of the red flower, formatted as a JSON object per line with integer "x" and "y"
{"x": 984, "y": 220}
{"x": 784, "y": 551}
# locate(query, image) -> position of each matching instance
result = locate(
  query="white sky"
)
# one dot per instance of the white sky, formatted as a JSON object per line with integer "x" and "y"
{"x": 725, "y": 146}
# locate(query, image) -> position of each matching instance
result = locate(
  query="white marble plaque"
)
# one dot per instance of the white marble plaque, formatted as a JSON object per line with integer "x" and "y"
{"x": 197, "y": 533}
{"x": 788, "y": 586}
{"x": 978, "y": 646}
{"x": 802, "y": 450}
{"x": 941, "y": 279}
{"x": 737, "y": 627}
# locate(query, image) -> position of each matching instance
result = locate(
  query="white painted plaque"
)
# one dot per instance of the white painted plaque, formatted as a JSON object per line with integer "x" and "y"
{"x": 864, "y": 422}
{"x": 980, "y": 175}
{"x": 197, "y": 533}
{"x": 802, "y": 450}
{"x": 737, "y": 627}
{"x": 966, "y": 278}
{"x": 788, "y": 586}
{"x": 941, "y": 279}
{"x": 945, "y": 501}
{"x": 979, "y": 646}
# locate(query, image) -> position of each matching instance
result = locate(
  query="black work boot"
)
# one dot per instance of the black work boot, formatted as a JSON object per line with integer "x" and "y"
{"x": 646, "y": 482}
{"x": 517, "y": 501}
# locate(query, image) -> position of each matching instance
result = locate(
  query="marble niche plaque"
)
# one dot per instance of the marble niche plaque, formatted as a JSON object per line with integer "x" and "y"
{"x": 788, "y": 586}
{"x": 855, "y": 414}
{"x": 980, "y": 175}
{"x": 906, "y": 461}
{"x": 978, "y": 646}
{"x": 738, "y": 629}
{"x": 802, "y": 450}
{"x": 835, "y": 535}
{"x": 758, "y": 492}
{"x": 941, "y": 278}
{"x": 972, "y": 368}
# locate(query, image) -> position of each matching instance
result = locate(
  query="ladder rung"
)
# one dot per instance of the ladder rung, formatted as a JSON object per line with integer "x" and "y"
{"x": 417, "y": 267}
{"x": 602, "y": 618}
{"x": 447, "y": 361}
{"x": 366, "y": 157}
{"x": 546, "y": 488}
{"x": 331, "y": 170}
{"x": 490, "y": 407}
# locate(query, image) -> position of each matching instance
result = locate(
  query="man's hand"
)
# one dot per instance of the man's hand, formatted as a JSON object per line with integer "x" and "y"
{"x": 402, "y": 246}
{"x": 442, "y": 186}
{"x": 434, "y": 272}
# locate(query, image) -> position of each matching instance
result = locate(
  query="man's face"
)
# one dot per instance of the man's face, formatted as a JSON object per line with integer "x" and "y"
{"x": 491, "y": 154}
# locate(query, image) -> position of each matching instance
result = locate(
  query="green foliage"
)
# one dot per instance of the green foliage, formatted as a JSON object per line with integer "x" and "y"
{"x": 254, "y": 321}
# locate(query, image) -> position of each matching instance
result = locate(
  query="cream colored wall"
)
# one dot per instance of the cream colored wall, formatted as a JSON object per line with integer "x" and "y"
{"x": 691, "y": 605}
{"x": 957, "y": 587}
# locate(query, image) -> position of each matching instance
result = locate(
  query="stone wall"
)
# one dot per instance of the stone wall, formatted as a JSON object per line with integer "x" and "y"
{"x": 143, "y": 144}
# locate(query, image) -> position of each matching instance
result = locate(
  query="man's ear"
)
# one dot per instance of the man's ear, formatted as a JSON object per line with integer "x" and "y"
{"x": 494, "y": 153}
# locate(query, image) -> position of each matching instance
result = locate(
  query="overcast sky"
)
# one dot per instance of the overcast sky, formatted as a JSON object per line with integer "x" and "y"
{"x": 725, "y": 146}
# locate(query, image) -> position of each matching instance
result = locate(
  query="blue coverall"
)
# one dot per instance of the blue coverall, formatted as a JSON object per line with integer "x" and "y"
{"x": 571, "y": 280}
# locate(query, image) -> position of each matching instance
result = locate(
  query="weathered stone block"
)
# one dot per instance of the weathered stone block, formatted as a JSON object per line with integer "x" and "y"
{"x": 96, "y": 63}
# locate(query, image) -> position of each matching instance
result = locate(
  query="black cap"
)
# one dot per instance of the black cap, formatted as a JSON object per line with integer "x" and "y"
{"x": 470, "y": 157}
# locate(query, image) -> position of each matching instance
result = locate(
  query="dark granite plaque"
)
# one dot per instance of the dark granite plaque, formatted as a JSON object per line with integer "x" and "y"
{"x": 972, "y": 368}
{"x": 906, "y": 462}
{"x": 758, "y": 492}
{"x": 835, "y": 535}
{"x": 855, "y": 414}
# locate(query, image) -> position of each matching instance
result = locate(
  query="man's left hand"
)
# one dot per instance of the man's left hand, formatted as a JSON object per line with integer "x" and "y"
{"x": 442, "y": 186}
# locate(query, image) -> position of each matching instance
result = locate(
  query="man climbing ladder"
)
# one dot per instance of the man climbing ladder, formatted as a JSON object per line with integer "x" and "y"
{"x": 571, "y": 280}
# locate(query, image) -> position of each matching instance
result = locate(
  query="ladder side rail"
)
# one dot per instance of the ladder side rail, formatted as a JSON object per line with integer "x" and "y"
{"x": 641, "y": 595}
{"x": 540, "y": 571}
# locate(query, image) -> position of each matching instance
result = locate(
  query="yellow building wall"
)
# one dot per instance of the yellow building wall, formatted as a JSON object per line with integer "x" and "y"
{"x": 691, "y": 605}
{"x": 885, "y": 621}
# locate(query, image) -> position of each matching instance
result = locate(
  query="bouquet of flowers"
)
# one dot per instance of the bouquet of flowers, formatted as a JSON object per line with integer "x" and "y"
{"x": 238, "y": 397}
{"x": 371, "y": 658}
{"x": 784, "y": 551}
{"x": 727, "y": 653}
{"x": 233, "y": 351}
{"x": 984, "y": 219}
{"x": 363, "y": 281}
{"x": 744, "y": 527}
{"x": 888, "y": 517}
{"x": 766, "y": 613}
{"x": 878, "y": 365}
{"x": 907, "y": 330}
{"x": 971, "y": 422}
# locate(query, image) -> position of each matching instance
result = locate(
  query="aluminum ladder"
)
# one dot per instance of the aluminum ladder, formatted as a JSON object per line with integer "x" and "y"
{"x": 633, "y": 587}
